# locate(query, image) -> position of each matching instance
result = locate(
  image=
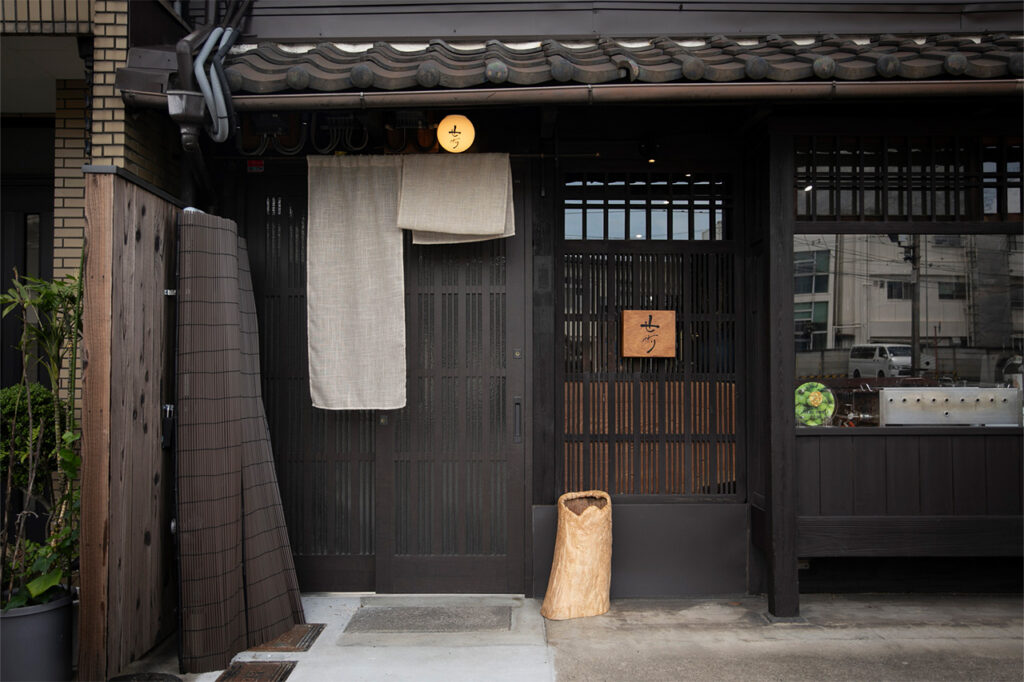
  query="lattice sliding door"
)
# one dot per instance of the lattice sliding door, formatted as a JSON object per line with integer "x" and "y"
{"x": 650, "y": 426}
{"x": 455, "y": 458}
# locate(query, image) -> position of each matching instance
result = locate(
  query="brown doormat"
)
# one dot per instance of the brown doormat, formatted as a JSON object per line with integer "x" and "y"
{"x": 299, "y": 638}
{"x": 258, "y": 671}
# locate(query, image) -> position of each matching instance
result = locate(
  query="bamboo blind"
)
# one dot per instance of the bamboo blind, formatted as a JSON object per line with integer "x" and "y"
{"x": 238, "y": 584}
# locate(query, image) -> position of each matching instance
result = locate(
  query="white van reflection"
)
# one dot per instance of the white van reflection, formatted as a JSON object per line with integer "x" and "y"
{"x": 884, "y": 360}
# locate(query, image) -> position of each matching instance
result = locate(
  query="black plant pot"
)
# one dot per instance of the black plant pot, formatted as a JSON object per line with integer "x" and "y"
{"x": 35, "y": 642}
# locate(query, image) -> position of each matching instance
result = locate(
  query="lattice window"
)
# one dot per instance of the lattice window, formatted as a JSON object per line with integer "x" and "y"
{"x": 939, "y": 178}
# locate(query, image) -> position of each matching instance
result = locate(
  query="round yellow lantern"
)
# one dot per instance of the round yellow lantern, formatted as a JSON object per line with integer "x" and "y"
{"x": 455, "y": 133}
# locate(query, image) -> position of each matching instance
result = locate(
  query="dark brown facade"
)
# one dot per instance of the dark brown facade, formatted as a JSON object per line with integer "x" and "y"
{"x": 649, "y": 173}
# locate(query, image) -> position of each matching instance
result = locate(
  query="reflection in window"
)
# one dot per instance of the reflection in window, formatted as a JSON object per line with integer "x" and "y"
{"x": 854, "y": 335}
{"x": 954, "y": 240}
{"x": 897, "y": 290}
{"x": 951, "y": 291}
{"x": 810, "y": 269}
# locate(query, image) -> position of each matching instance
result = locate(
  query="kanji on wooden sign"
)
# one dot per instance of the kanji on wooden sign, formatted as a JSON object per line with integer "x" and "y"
{"x": 648, "y": 333}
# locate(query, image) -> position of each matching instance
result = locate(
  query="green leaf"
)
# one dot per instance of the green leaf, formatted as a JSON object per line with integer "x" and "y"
{"x": 17, "y": 600}
{"x": 45, "y": 582}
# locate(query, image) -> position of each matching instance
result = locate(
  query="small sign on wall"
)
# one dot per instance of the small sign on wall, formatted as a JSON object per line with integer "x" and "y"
{"x": 648, "y": 333}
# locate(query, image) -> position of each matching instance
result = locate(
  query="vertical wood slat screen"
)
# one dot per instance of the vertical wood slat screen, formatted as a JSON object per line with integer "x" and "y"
{"x": 636, "y": 426}
{"x": 451, "y": 468}
{"x": 238, "y": 584}
{"x": 325, "y": 458}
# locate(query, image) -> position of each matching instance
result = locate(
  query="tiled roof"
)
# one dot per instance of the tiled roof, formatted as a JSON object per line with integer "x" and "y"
{"x": 328, "y": 67}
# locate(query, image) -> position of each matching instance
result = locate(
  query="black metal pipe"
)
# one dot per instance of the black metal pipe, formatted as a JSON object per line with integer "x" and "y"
{"x": 623, "y": 93}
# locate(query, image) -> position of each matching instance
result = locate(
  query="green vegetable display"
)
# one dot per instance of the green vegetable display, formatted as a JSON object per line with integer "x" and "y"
{"x": 815, "y": 404}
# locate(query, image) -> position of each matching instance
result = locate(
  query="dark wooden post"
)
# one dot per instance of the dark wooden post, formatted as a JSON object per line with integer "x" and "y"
{"x": 783, "y": 589}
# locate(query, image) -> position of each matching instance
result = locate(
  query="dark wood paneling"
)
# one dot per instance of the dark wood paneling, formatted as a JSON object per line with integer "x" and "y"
{"x": 831, "y": 536}
{"x": 936, "y": 461}
{"x": 808, "y": 477}
{"x": 837, "y": 477}
{"x": 1003, "y": 469}
{"x": 324, "y": 574}
{"x": 918, "y": 474}
{"x": 902, "y": 476}
{"x": 969, "y": 476}
{"x": 868, "y": 475}
{"x": 663, "y": 550}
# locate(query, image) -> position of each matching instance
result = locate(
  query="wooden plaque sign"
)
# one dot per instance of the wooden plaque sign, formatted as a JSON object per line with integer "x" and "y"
{"x": 648, "y": 333}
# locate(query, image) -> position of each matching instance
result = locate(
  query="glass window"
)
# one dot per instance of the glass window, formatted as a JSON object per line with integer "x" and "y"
{"x": 810, "y": 270}
{"x": 951, "y": 291}
{"x": 646, "y": 206}
{"x": 953, "y": 240}
{"x": 896, "y": 290}
{"x": 855, "y": 337}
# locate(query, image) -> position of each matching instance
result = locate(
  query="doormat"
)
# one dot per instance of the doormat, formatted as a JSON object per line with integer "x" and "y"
{"x": 411, "y": 619}
{"x": 299, "y": 638}
{"x": 258, "y": 671}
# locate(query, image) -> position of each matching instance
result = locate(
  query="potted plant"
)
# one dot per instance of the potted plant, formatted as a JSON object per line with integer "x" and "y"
{"x": 39, "y": 465}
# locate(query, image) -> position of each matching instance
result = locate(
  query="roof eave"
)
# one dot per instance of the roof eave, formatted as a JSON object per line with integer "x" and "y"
{"x": 619, "y": 93}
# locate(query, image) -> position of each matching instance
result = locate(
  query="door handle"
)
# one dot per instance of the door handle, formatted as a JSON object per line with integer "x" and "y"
{"x": 517, "y": 419}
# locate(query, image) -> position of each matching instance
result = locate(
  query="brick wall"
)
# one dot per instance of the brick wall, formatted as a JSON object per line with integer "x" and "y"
{"x": 69, "y": 185}
{"x": 144, "y": 142}
{"x": 68, "y": 179}
{"x": 110, "y": 50}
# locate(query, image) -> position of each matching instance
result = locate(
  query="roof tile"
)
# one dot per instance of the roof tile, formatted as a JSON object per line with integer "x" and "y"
{"x": 268, "y": 68}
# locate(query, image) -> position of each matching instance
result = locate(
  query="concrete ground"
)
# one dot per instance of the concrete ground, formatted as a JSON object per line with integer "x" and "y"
{"x": 849, "y": 637}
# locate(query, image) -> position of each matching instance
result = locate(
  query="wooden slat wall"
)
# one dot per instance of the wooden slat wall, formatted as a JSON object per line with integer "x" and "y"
{"x": 910, "y": 495}
{"x": 912, "y": 475}
{"x": 128, "y": 590}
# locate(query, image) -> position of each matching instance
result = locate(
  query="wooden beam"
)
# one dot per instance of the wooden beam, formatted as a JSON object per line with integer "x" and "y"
{"x": 783, "y": 592}
{"x": 96, "y": 326}
{"x": 887, "y": 536}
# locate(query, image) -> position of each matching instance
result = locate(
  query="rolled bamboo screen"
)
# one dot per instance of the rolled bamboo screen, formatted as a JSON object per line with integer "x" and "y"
{"x": 581, "y": 572}
{"x": 238, "y": 583}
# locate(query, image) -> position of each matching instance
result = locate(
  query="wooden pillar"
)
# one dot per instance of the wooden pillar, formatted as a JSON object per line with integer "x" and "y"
{"x": 96, "y": 328}
{"x": 780, "y": 488}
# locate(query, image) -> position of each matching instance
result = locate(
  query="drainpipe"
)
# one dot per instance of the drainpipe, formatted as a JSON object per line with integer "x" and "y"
{"x": 619, "y": 93}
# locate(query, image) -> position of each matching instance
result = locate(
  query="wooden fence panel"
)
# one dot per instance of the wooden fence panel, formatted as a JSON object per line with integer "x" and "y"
{"x": 128, "y": 590}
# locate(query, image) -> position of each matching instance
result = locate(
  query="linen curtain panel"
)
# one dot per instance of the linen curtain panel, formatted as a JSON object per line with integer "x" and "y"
{"x": 238, "y": 583}
{"x": 456, "y": 198}
{"x": 355, "y": 285}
